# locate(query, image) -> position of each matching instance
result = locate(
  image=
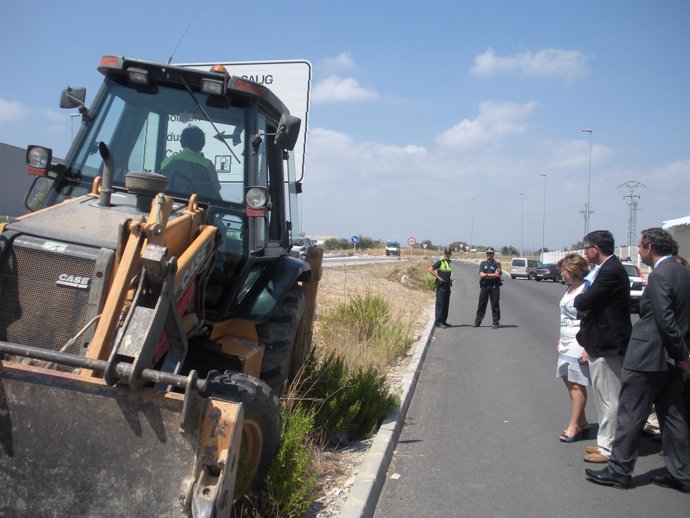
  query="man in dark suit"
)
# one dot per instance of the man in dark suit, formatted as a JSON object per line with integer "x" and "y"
{"x": 652, "y": 370}
{"x": 604, "y": 333}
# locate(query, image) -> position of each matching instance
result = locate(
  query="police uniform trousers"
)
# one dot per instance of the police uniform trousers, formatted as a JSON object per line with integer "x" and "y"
{"x": 442, "y": 302}
{"x": 489, "y": 292}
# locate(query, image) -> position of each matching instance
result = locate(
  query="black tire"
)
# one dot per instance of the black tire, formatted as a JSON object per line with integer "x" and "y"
{"x": 529, "y": 277}
{"x": 278, "y": 337}
{"x": 260, "y": 427}
{"x": 512, "y": 276}
{"x": 538, "y": 280}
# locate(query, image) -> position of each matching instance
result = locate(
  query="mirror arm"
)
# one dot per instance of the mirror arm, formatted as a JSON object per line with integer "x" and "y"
{"x": 85, "y": 115}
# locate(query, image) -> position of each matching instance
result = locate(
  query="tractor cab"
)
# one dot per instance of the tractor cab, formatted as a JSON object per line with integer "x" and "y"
{"x": 223, "y": 138}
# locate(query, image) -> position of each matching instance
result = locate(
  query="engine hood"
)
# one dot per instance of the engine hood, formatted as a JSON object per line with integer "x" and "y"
{"x": 84, "y": 221}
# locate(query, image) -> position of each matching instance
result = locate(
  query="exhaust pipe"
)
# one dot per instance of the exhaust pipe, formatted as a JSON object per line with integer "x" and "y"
{"x": 108, "y": 169}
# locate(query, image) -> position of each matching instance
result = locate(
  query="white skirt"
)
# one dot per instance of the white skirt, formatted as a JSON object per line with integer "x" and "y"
{"x": 572, "y": 370}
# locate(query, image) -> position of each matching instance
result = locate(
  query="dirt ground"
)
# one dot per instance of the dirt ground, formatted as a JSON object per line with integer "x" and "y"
{"x": 339, "y": 467}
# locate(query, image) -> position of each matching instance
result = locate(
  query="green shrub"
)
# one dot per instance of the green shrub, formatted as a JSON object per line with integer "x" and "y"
{"x": 290, "y": 484}
{"x": 355, "y": 403}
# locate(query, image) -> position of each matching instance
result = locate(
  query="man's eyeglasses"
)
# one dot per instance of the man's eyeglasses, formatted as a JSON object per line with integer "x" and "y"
{"x": 590, "y": 246}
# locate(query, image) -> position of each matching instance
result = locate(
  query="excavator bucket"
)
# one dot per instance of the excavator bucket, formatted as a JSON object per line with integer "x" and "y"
{"x": 73, "y": 446}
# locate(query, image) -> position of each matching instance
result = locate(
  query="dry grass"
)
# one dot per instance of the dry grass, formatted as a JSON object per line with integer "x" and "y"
{"x": 398, "y": 282}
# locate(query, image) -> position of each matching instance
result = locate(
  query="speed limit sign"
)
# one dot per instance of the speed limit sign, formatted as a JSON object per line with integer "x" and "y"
{"x": 411, "y": 241}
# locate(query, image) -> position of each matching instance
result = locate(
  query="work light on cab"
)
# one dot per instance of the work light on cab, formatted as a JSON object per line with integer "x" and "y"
{"x": 256, "y": 198}
{"x": 38, "y": 160}
{"x": 138, "y": 75}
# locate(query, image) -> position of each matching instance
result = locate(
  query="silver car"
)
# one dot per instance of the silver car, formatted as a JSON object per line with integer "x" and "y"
{"x": 301, "y": 246}
{"x": 637, "y": 285}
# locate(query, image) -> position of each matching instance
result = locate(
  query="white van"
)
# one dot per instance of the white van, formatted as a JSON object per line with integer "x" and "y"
{"x": 523, "y": 267}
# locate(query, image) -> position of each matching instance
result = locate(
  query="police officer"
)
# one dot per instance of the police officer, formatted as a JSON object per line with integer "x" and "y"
{"x": 442, "y": 272}
{"x": 489, "y": 288}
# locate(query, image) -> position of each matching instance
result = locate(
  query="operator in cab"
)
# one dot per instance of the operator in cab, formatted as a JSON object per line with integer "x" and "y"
{"x": 189, "y": 171}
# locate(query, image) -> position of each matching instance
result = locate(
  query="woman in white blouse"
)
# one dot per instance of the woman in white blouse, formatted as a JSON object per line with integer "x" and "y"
{"x": 572, "y": 359}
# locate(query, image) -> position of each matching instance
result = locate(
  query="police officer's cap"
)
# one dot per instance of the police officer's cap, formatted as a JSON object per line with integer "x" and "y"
{"x": 489, "y": 250}
{"x": 448, "y": 251}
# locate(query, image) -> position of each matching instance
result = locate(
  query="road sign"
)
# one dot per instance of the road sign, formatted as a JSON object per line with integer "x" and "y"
{"x": 411, "y": 241}
{"x": 354, "y": 240}
{"x": 290, "y": 80}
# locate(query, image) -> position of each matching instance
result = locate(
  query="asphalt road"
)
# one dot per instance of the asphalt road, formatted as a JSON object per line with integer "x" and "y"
{"x": 481, "y": 434}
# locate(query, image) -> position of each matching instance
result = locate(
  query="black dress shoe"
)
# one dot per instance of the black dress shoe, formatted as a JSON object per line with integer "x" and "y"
{"x": 442, "y": 325}
{"x": 448, "y": 325}
{"x": 667, "y": 480}
{"x": 606, "y": 477}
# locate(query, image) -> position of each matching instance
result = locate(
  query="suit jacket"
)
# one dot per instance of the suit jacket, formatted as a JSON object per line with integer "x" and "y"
{"x": 663, "y": 330}
{"x": 605, "y": 325}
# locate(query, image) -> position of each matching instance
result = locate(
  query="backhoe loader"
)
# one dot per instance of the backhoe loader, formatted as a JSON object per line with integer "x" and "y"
{"x": 148, "y": 321}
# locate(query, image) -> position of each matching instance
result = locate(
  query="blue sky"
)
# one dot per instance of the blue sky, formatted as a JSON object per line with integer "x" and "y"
{"x": 416, "y": 107}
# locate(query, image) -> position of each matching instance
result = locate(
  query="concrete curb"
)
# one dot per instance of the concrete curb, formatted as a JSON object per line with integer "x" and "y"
{"x": 364, "y": 495}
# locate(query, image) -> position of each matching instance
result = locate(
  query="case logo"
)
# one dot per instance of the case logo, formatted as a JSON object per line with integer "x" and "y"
{"x": 73, "y": 281}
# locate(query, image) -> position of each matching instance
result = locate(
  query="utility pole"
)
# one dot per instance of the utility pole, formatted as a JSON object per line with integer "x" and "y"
{"x": 472, "y": 226}
{"x": 543, "y": 219}
{"x": 633, "y": 206}
{"x": 588, "y": 207}
{"x": 522, "y": 219}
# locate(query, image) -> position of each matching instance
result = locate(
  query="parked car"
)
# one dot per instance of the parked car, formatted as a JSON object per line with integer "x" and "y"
{"x": 548, "y": 272}
{"x": 637, "y": 285}
{"x": 300, "y": 247}
{"x": 523, "y": 267}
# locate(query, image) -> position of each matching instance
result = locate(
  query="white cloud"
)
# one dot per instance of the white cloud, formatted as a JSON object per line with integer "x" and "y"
{"x": 336, "y": 89}
{"x": 570, "y": 64}
{"x": 55, "y": 120}
{"x": 338, "y": 157}
{"x": 495, "y": 121}
{"x": 572, "y": 154}
{"x": 341, "y": 62}
{"x": 11, "y": 111}
{"x": 673, "y": 171}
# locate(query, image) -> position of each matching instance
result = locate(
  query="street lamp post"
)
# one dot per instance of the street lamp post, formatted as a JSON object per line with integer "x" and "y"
{"x": 589, "y": 178}
{"x": 543, "y": 219}
{"x": 522, "y": 220}
{"x": 531, "y": 214}
{"x": 472, "y": 226}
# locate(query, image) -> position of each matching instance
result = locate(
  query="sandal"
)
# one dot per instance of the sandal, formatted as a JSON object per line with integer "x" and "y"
{"x": 584, "y": 429}
{"x": 571, "y": 438}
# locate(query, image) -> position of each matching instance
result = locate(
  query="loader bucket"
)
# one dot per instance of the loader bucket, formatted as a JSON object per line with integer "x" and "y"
{"x": 73, "y": 446}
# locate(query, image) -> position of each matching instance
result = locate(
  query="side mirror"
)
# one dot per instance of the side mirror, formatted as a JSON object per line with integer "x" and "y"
{"x": 38, "y": 193}
{"x": 73, "y": 97}
{"x": 288, "y": 131}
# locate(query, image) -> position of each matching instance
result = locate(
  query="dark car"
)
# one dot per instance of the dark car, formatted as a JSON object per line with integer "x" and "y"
{"x": 548, "y": 271}
{"x": 300, "y": 247}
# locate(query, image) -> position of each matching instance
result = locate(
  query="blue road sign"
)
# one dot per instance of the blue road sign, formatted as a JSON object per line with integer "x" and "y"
{"x": 354, "y": 240}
